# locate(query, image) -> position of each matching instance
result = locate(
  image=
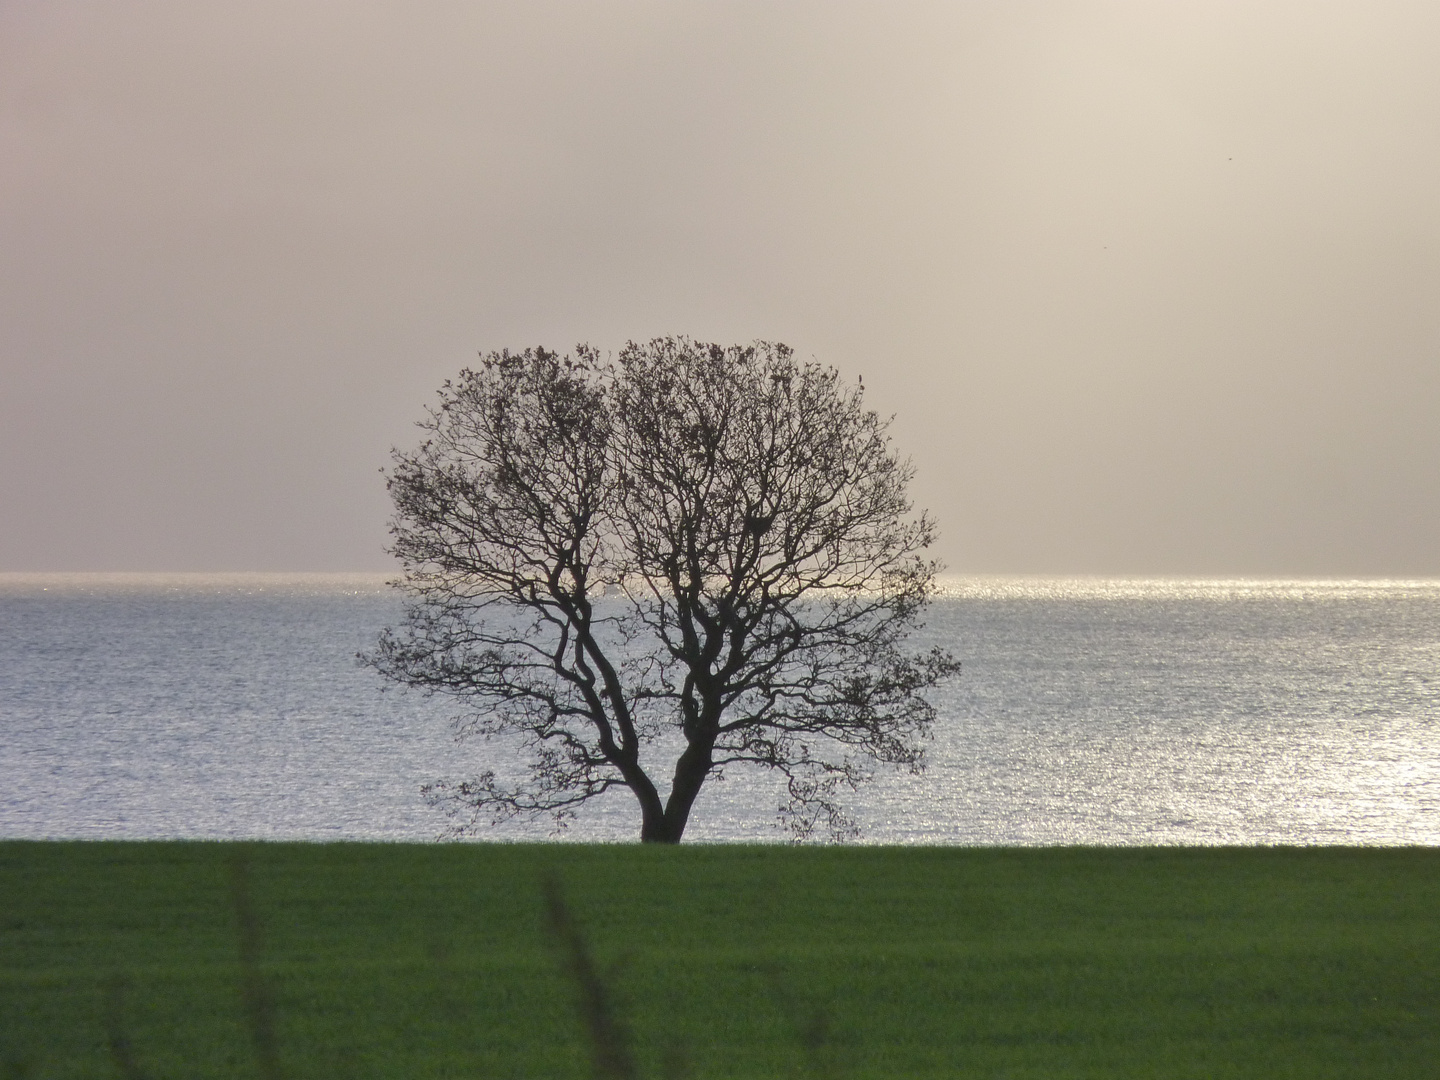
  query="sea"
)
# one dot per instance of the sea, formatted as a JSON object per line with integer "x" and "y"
{"x": 1088, "y": 711}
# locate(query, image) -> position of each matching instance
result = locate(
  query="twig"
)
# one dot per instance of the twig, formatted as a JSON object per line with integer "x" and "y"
{"x": 259, "y": 1005}
{"x": 122, "y": 1052}
{"x": 609, "y": 1041}
{"x": 811, "y": 1026}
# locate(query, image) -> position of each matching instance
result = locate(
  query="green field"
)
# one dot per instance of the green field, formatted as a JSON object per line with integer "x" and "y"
{"x": 444, "y": 961}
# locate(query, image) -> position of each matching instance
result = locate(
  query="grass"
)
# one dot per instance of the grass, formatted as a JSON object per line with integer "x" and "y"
{"x": 161, "y": 960}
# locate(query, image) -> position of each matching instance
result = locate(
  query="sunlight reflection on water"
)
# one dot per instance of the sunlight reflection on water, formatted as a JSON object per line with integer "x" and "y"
{"x": 1089, "y": 711}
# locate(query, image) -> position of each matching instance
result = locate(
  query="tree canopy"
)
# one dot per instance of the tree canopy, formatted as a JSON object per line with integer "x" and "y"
{"x": 687, "y": 558}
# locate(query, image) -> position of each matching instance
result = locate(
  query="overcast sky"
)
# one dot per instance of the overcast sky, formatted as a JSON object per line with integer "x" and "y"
{"x": 1149, "y": 288}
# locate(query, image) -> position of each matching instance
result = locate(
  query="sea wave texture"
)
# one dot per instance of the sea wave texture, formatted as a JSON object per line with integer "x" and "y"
{"x": 1089, "y": 711}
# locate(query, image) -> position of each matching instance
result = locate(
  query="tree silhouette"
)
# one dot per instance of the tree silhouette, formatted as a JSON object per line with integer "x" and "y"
{"x": 694, "y": 554}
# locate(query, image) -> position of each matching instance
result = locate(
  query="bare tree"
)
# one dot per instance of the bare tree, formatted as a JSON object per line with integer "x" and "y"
{"x": 694, "y": 553}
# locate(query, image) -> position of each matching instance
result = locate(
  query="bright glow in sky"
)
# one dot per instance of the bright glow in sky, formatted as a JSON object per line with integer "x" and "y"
{"x": 1150, "y": 288}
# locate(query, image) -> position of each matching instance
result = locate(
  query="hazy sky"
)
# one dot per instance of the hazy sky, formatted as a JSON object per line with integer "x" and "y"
{"x": 1150, "y": 288}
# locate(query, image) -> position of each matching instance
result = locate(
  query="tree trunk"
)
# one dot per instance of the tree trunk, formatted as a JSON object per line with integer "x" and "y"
{"x": 657, "y": 832}
{"x": 652, "y": 810}
{"x": 654, "y": 829}
{"x": 690, "y": 773}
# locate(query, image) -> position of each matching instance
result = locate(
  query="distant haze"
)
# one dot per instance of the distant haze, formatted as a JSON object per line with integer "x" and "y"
{"x": 1149, "y": 288}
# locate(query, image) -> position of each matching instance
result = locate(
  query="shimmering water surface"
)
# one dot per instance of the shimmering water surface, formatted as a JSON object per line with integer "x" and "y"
{"x": 1094, "y": 712}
